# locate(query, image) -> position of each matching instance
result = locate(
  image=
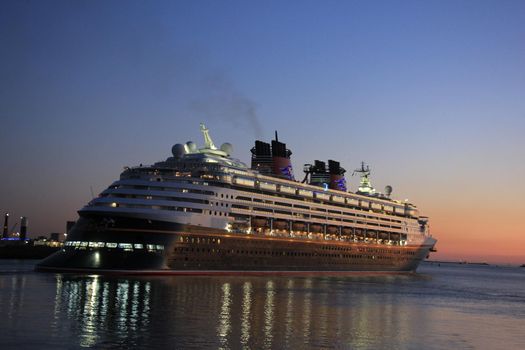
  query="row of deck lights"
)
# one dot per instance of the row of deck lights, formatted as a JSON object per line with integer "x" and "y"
{"x": 304, "y": 234}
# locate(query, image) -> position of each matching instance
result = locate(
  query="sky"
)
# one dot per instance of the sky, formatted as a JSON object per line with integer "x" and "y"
{"x": 430, "y": 93}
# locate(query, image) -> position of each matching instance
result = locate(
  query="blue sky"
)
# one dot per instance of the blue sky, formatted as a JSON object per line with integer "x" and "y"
{"x": 430, "y": 93}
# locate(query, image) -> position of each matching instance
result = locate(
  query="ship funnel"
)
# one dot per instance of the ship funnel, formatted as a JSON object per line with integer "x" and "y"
{"x": 272, "y": 160}
{"x": 262, "y": 158}
{"x": 318, "y": 174}
{"x": 282, "y": 165}
{"x": 337, "y": 177}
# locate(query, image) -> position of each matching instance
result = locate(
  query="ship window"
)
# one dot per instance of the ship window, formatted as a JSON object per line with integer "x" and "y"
{"x": 138, "y": 246}
{"x": 111, "y": 245}
{"x": 126, "y": 246}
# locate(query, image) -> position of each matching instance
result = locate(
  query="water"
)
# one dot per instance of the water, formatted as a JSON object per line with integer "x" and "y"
{"x": 442, "y": 307}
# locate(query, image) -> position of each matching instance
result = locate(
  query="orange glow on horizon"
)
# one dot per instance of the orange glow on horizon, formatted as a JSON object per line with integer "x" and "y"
{"x": 479, "y": 233}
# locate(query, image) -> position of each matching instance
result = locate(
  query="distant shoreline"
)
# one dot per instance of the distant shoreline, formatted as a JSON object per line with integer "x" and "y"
{"x": 459, "y": 262}
{"x": 456, "y": 262}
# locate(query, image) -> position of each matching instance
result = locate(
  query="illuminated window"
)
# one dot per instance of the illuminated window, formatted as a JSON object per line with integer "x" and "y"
{"x": 126, "y": 246}
{"x": 111, "y": 245}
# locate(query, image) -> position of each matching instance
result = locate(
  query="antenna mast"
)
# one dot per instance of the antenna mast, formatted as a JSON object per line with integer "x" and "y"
{"x": 365, "y": 186}
{"x": 208, "y": 142}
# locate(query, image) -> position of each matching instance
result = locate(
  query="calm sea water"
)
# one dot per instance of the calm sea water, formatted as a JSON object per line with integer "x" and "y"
{"x": 441, "y": 307}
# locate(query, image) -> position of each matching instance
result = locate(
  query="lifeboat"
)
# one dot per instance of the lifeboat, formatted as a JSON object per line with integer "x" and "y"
{"x": 299, "y": 226}
{"x": 332, "y": 230}
{"x": 383, "y": 235}
{"x": 371, "y": 234}
{"x": 259, "y": 222}
{"x": 347, "y": 231}
{"x": 281, "y": 224}
{"x": 359, "y": 232}
{"x": 239, "y": 226}
{"x": 316, "y": 228}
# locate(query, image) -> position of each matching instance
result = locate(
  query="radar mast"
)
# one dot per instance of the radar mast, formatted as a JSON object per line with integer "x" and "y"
{"x": 365, "y": 185}
{"x": 208, "y": 142}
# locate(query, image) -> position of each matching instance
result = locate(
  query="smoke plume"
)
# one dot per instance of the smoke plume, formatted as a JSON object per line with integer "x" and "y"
{"x": 220, "y": 99}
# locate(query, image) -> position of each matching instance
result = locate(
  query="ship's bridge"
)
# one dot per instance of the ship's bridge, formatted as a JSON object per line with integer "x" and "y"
{"x": 200, "y": 159}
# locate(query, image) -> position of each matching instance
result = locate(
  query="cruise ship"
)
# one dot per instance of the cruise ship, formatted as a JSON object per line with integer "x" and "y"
{"x": 202, "y": 211}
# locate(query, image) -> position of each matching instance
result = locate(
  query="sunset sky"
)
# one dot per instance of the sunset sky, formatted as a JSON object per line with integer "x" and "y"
{"x": 431, "y": 94}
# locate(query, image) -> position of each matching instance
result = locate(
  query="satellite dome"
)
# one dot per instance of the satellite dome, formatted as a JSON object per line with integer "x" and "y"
{"x": 388, "y": 190}
{"x": 191, "y": 147}
{"x": 178, "y": 150}
{"x": 227, "y": 148}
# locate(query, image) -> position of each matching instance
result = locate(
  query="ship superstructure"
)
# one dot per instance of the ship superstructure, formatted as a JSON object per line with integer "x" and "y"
{"x": 203, "y": 211}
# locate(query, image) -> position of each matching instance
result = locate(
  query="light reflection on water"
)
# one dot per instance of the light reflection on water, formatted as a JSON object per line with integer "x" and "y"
{"x": 224, "y": 327}
{"x": 116, "y": 307}
{"x": 245, "y": 318}
{"x": 269, "y": 314}
{"x": 437, "y": 309}
{"x": 307, "y": 308}
{"x": 289, "y": 311}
